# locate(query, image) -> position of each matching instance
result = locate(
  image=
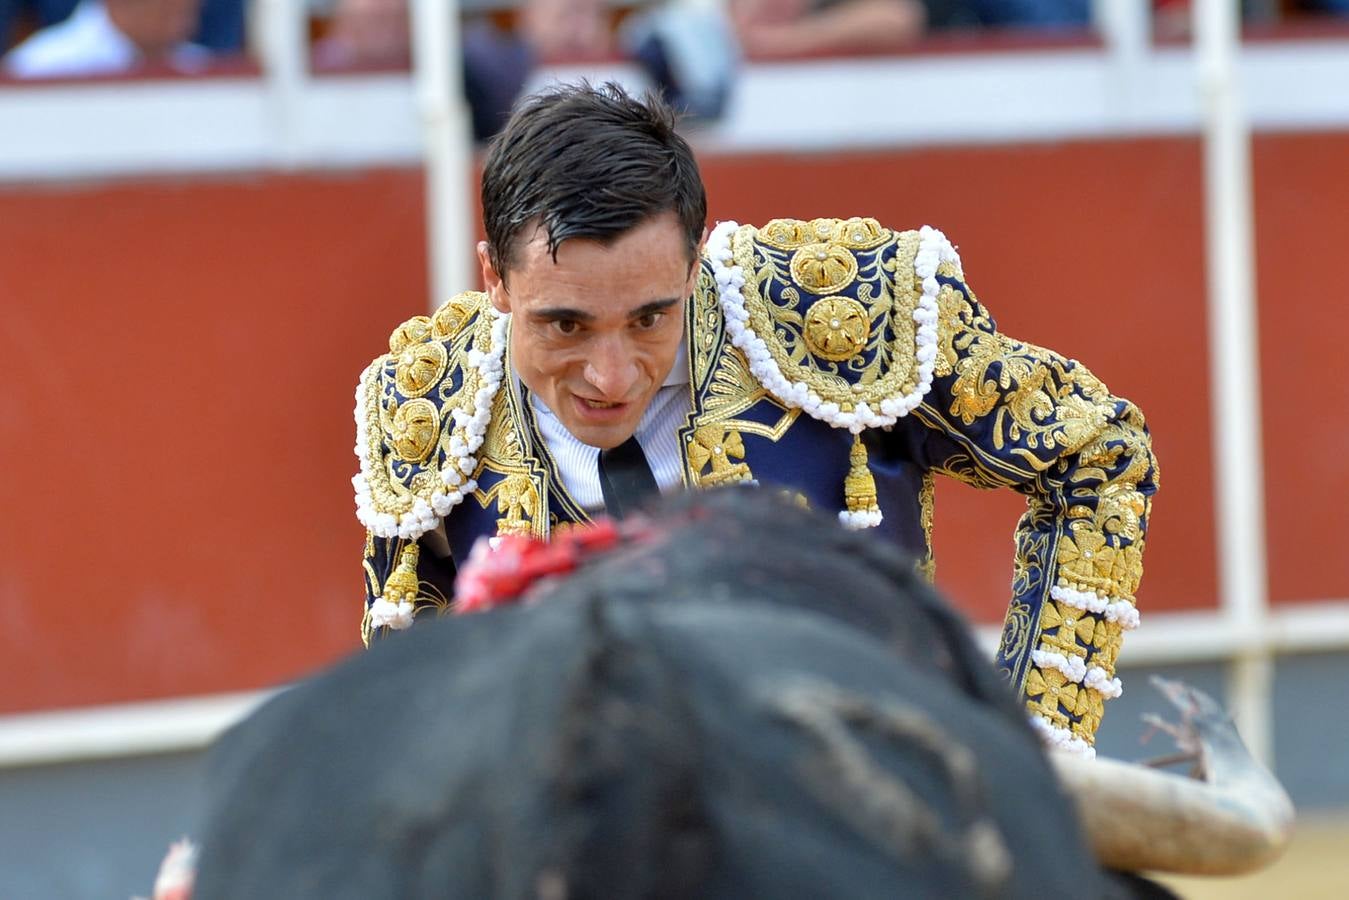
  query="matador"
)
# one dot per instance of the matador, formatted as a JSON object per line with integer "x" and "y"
{"x": 839, "y": 359}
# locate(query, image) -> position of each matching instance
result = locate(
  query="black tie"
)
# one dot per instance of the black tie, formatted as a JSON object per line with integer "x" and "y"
{"x": 625, "y": 478}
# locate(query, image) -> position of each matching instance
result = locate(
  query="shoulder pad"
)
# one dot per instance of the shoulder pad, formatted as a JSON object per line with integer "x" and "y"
{"x": 837, "y": 317}
{"x": 421, "y": 412}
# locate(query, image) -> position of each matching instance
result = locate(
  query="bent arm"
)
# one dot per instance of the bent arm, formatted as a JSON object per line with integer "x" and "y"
{"x": 1003, "y": 413}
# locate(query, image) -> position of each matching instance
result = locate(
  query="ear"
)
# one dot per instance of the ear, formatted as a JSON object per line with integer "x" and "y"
{"x": 492, "y": 282}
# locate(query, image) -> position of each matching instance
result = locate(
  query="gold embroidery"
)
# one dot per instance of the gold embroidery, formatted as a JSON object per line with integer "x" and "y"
{"x": 1087, "y": 562}
{"x": 1039, "y": 400}
{"x": 1090, "y": 707}
{"x": 859, "y": 486}
{"x": 402, "y": 584}
{"x": 733, "y": 388}
{"x": 518, "y": 502}
{"x": 413, "y": 331}
{"x": 836, "y": 328}
{"x": 519, "y": 494}
{"x": 1047, "y": 690}
{"x": 1073, "y": 625}
{"x": 396, "y": 484}
{"x": 928, "y": 569}
{"x": 716, "y": 445}
{"x": 823, "y": 268}
{"x": 704, "y": 325}
{"x": 1016, "y": 629}
{"x": 1107, "y": 640}
{"x": 419, "y": 367}
{"x": 854, "y": 234}
{"x": 451, "y": 317}
{"x": 414, "y": 430}
{"x": 889, "y": 371}
{"x": 926, "y": 508}
{"x": 430, "y": 597}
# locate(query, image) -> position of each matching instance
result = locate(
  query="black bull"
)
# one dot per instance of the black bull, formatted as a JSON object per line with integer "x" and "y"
{"x": 752, "y": 703}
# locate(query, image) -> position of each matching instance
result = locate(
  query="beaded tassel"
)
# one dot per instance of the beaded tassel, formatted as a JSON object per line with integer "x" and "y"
{"x": 859, "y": 489}
{"x": 402, "y": 584}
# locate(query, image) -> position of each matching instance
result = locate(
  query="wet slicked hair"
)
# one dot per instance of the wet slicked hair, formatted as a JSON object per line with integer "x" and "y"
{"x": 588, "y": 162}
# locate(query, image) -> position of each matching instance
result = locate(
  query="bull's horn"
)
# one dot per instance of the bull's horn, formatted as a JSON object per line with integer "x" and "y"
{"x": 1236, "y": 819}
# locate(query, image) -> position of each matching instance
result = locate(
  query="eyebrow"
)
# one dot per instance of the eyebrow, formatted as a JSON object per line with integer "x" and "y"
{"x": 565, "y": 313}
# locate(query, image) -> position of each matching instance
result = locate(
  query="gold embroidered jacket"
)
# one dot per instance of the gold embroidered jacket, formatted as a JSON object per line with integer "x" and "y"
{"x": 836, "y": 358}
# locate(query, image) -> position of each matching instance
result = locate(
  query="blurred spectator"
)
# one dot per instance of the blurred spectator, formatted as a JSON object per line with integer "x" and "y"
{"x": 1332, "y": 7}
{"x": 797, "y": 27}
{"x": 689, "y": 49}
{"x": 498, "y": 62}
{"x": 802, "y": 27}
{"x": 220, "y": 28}
{"x": 1033, "y": 13}
{"x": 375, "y": 33}
{"x": 565, "y": 29}
{"x": 366, "y": 33}
{"x": 107, "y": 36}
{"x": 688, "y": 52}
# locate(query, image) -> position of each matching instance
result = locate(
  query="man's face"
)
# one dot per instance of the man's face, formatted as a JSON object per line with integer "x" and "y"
{"x": 595, "y": 334}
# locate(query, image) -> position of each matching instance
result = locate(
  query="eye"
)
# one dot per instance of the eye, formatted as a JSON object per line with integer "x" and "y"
{"x": 566, "y": 327}
{"x": 650, "y": 320}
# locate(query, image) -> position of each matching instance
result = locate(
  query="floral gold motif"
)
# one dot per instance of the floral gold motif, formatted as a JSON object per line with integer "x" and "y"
{"x": 1107, "y": 640}
{"x": 713, "y": 447}
{"x": 888, "y": 370}
{"x": 1073, "y": 625}
{"x": 414, "y": 429}
{"x": 413, "y": 331}
{"x": 452, "y": 315}
{"x": 836, "y": 328}
{"x": 518, "y": 503}
{"x": 823, "y": 268}
{"x": 1049, "y": 689}
{"x": 1090, "y": 708}
{"x": 419, "y": 367}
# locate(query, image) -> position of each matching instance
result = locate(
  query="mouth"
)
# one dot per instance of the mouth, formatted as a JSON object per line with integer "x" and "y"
{"x": 599, "y": 411}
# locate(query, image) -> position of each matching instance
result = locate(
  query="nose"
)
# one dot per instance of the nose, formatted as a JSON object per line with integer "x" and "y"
{"x": 611, "y": 369}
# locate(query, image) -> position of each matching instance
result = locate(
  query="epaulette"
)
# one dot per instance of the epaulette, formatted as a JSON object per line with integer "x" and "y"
{"x": 422, "y": 410}
{"x": 837, "y": 318}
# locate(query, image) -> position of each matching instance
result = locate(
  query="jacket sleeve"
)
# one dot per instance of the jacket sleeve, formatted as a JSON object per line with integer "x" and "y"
{"x": 1003, "y": 413}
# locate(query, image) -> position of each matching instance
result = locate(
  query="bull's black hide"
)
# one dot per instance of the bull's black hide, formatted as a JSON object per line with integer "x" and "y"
{"x": 756, "y": 704}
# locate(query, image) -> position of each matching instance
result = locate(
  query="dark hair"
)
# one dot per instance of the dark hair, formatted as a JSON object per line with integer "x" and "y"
{"x": 588, "y": 162}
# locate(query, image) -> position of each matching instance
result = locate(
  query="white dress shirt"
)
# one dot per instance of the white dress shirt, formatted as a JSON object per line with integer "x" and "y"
{"x": 657, "y": 432}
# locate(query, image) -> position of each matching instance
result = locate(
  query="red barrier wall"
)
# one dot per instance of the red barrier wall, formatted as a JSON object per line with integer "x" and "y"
{"x": 179, "y": 359}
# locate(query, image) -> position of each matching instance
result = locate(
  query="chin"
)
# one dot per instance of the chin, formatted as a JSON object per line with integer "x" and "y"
{"x": 606, "y": 438}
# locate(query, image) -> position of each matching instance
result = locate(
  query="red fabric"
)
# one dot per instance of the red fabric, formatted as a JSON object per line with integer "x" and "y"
{"x": 498, "y": 574}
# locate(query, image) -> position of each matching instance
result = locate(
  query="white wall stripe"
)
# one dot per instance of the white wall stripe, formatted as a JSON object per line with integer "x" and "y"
{"x": 190, "y": 723}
